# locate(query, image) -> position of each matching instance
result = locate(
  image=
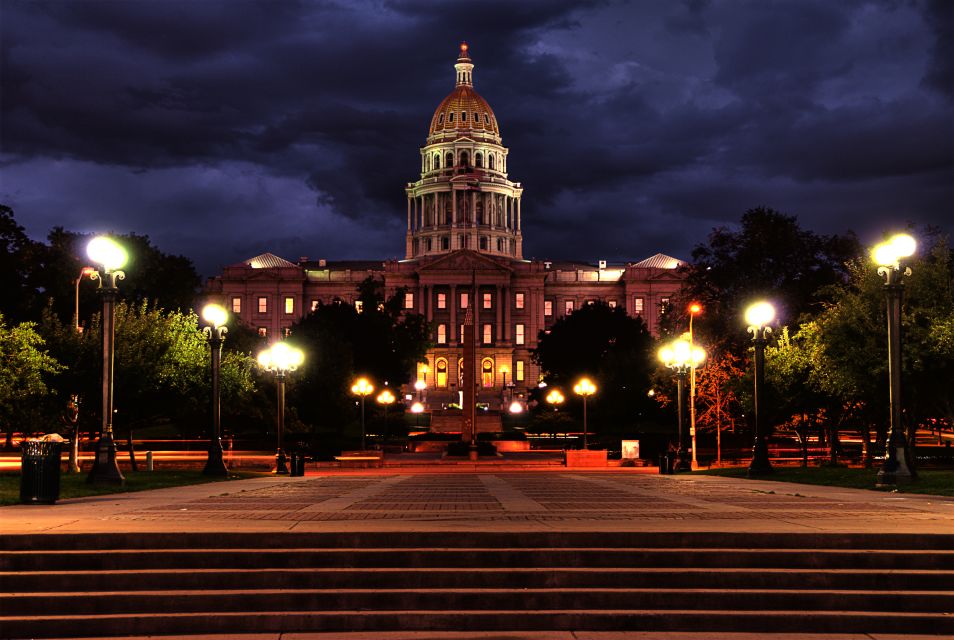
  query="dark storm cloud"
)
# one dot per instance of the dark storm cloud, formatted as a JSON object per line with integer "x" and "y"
{"x": 633, "y": 126}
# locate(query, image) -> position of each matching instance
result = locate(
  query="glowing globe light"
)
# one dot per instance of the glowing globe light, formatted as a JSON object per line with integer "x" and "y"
{"x": 584, "y": 387}
{"x": 362, "y": 387}
{"x": 555, "y": 397}
{"x": 759, "y": 314}
{"x": 417, "y": 407}
{"x": 281, "y": 357}
{"x": 385, "y": 397}
{"x": 215, "y": 315}
{"x": 889, "y": 253}
{"x": 516, "y": 407}
{"x": 107, "y": 252}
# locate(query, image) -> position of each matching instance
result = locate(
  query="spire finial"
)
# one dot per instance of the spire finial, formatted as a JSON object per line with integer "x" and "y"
{"x": 464, "y": 66}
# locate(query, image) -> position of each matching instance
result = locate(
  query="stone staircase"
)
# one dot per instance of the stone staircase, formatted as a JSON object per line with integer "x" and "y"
{"x": 61, "y": 586}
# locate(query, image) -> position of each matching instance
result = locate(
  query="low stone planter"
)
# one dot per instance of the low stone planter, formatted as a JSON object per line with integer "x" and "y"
{"x": 586, "y": 458}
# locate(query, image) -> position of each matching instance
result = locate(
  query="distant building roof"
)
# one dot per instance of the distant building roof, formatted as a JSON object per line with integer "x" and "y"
{"x": 660, "y": 261}
{"x": 268, "y": 261}
{"x": 340, "y": 265}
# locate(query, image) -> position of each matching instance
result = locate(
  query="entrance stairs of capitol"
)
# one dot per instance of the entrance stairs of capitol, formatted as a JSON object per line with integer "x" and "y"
{"x": 58, "y": 585}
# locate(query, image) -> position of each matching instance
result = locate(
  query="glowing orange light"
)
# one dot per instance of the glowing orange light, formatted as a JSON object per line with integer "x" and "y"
{"x": 695, "y": 308}
{"x": 463, "y": 47}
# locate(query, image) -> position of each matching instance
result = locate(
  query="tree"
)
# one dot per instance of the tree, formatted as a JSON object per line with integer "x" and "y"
{"x": 18, "y": 292}
{"x": 717, "y": 398}
{"x": 612, "y": 348}
{"x": 26, "y": 369}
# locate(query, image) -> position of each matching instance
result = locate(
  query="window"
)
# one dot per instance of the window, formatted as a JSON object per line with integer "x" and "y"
{"x": 289, "y": 305}
{"x": 490, "y": 162}
{"x": 262, "y": 304}
{"x": 449, "y": 159}
{"x": 463, "y": 116}
{"x": 476, "y": 117}
{"x": 464, "y": 300}
{"x": 611, "y": 303}
{"x": 437, "y": 157}
{"x": 483, "y": 243}
{"x": 442, "y": 334}
{"x": 518, "y": 301}
{"x": 450, "y": 116}
{"x": 663, "y": 305}
{"x": 518, "y": 334}
{"x": 460, "y": 334}
{"x": 548, "y": 308}
{"x": 638, "y": 305}
{"x": 488, "y": 333}
{"x": 488, "y": 300}
{"x": 359, "y": 305}
{"x": 487, "y": 372}
{"x": 263, "y": 332}
{"x": 440, "y": 119}
{"x": 236, "y": 305}
{"x": 441, "y": 372}
{"x": 441, "y": 300}
{"x": 518, "y": 371}
{"x": 314, "y": 305}
{"x": 445, "y": 243}
{"x": 408, "y": 300}
{"x": 486, "y": 118}
{"x": 567, "y": 307}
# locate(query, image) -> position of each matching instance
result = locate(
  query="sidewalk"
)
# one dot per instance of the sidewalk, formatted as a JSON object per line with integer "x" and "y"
{"x": 436, "y": 500}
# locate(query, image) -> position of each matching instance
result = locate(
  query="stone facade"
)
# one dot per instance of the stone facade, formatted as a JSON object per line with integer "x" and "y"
{"x": 464, "y": 248}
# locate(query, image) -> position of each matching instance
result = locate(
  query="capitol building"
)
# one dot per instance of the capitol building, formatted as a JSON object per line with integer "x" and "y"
{"x": 463, "y": 251}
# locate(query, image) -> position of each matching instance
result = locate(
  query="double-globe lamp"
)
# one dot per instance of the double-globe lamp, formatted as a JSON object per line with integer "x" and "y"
{"x": 888, "y": 256}
{"x": 362, "y": 388}
{"x": 386, "y": 399}
{"x": 281, "y": 358}
{"x": 585, "y": 388}
{"x": 758, "y": 317}
{"x": 216, "y": 316}
{"x": 110, "y": 257}
{"x": 681, "y": 356}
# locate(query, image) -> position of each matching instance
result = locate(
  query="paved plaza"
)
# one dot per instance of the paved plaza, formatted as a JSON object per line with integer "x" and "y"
{"x": 561, "y": 500}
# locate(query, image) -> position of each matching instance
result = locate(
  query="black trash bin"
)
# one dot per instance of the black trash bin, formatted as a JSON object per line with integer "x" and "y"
{"x": 40, "y": 472}
{"x": 665, "y": 463}
{"x": 297, "y": 464}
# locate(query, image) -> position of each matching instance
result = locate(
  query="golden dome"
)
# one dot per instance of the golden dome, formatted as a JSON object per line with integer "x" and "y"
{"x": 464, "y": 112}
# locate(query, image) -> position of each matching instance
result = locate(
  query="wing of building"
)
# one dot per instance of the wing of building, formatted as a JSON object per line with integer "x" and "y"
{"x": 463, "y": 227}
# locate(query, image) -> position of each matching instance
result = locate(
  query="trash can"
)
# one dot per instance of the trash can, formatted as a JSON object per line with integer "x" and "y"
{"x": 297, "y": 464}
{"x": 40, "y": 472}
{"x": 665, "y": 463}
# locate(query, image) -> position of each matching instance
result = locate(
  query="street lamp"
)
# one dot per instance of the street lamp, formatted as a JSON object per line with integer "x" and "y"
{"x": 111, "y": 257}
{"x": 420, "y": 385}
{"x": 555, "y": 398}
{"x": 85, "y": 271}
{"x": 757, "y": 317}
{"x": 681, "y": 357}
{"x": 898, "y": 463}
{"x": 216, "y": 316}
{"x": 282, "y": 359}
{"x": 386, "y": 398}
{"x": 363, "y": 388}
{"x": 584, "y": 388}
{"x": 694, "y": 309}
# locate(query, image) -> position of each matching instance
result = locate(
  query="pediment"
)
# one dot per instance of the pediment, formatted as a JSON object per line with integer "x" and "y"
{"x": 465, "y": 260}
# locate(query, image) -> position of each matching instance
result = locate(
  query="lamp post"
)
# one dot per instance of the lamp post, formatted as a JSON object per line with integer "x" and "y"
{"x": 362, "y": 388}
{"x": 555, "y": 398}
{"x": 694, "y": 309}
{"x": 111, "y": 257}
{"x": 216, "y": 316}
{"x": 584, "y": 388}
{"x": 898, "y": 463}
{"x": 386, "y": 398}
{"x": 419, "y": 385}
{"x": 680, "y": 356}
{"x": 757, "y": 317}
{"x": 85, "y": 271}
{"x": 281, "y": 359}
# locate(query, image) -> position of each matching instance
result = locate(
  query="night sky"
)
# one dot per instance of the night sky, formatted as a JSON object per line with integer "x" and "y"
{"x": 227, "y": 129}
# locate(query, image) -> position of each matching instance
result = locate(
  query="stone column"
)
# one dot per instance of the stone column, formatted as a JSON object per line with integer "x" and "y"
{"x": 518, "y": 214}
{"x": 409, "y": 214}
{"x": 453, "y": 207}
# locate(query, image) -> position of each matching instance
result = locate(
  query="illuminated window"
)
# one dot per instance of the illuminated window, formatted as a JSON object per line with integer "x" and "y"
{"x": 441, "y": 372}
{"x": 488, "y": 333}
{"x": 460, "y": 334}
{"x": 442, "y": 334}
{"x": 408, "y": 300}
{"x": 289, "y": 305}
{"x": 488, "y": 300}
{"x": 548, "y": 307}
{"x": 663, "y": 305}
{"x": 236, "y": 305}
{"x": 441, "y": 300}
{"x": 263, "y": 304}
{"x": 314, "y": 305}
{"x": 568, "y": 307}
{"x": 263, "y": 332}
{"x": 518, "y": 301}
{"x": 464, "y": 300}
{"x": 359, "y": 305}
{"x": 611, "y": 303}
{"x": 638, "y": 305}
{"x": 518, "y": 334}
{"x": 518, "y": 371}
{"x": 487, "y": 372}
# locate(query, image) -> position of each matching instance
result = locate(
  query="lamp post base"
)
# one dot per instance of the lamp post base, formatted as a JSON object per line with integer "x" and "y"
{"x": 281, "y": 463}
{"x": 896, "y": 471}
{"x": 682, "y": 461}
{"x": 215, "y": 465}
{"x": 105, "y": 469}
{"x": 760, "y": 465}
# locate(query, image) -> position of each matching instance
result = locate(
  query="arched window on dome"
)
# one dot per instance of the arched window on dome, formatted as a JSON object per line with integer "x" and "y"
{"x": 476, "y": 118}
{"x": 437, "y": 161}
{"x": 464, "y": 159}
{"x": 449, "y": 159}
{"x": 440, "y": 118}
{"x": 486, "y": 119}
{"x": 427, "y": 163}
{"x": 463, "y": 116}
{"x": 450, "y": 116}
{"x": 490, "y": 161}
{"x": 478, "y": 160}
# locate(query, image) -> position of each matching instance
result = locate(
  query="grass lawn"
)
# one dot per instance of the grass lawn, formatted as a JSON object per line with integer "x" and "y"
{"x": 74, "y": 485}
{"x": 933, "y": 482}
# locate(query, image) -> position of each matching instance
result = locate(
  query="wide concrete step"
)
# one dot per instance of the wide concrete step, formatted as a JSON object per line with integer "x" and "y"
{"x": 475, "y": 557}
{"x": 791, "y": 621}
{"x": 478, "y": 578}
{"x": 592, "y": 599}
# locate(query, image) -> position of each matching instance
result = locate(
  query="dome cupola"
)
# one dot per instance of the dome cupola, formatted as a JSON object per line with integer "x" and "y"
{"x": 463, "y": 112}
